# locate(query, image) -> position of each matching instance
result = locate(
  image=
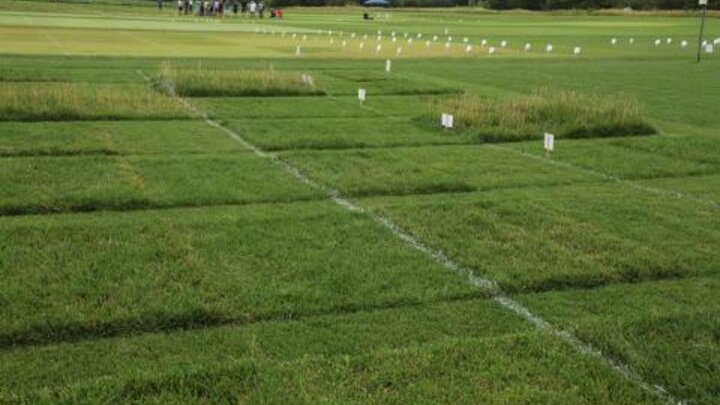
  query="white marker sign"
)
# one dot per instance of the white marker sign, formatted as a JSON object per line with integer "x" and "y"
{"x": 388, "y": 66}
{"x": 447, "y": 120}
{"x": 549, "y": 142}
{"x": 362, "y": 94}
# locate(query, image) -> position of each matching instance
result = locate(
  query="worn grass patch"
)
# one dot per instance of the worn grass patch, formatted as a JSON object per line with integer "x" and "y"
{"x": 209, "y": 81}
{"x": 74, "y": 101}
{"x": 566, "y": 114}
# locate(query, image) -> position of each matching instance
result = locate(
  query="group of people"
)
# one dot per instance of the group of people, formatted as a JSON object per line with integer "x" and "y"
{"x": 222, "y": 7}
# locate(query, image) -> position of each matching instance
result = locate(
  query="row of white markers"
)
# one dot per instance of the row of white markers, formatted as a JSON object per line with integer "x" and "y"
{"x": 549, "y": 48}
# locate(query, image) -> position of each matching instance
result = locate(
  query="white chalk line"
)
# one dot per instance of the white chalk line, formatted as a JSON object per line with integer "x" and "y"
{"x": 439, "y": 257}
{"x": 608, "y": 176}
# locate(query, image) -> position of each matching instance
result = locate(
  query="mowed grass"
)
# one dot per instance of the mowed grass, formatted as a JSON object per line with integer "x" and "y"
{"x": 221, "y": 278}
{"x": 338, "y": 133}
{"x": 122, "y": 273}
{"x": 89, "y": 183}
{"x": 553, "y": 238}
{"x": 112, "y": 138}
{"x": 428, "y": 170}
{"x": 668, "y": 330}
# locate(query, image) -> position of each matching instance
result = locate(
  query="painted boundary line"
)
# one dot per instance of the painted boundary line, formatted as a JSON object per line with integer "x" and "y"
{"x": 439, "y": 257}
{"x": 607, "y": 176}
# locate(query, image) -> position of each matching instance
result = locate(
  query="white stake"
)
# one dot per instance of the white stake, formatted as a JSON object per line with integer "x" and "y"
{"x": 388, "y": 66}
{"x": 549, "y": 142}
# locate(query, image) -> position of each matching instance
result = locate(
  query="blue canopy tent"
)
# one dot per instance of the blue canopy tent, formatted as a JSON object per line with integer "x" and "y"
{"x": 376, "y": 3}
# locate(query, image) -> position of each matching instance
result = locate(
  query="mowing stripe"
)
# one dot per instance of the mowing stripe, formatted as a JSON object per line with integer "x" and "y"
{"x": 607, "y": 176}
{"x": 439, "y": 257}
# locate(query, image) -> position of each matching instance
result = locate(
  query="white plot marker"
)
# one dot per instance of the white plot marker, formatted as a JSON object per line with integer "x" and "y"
{"x": 613, "y": 41}
{"x": 447, "y": 45}
{"x": 503, "y": 44}
{"x": 491, "y": 51}
{"x": 419, "y": 36}
{"x": 398, "y": 52}
{"x": 716, "y": 41}
{"x": 362, "y": 45}
{"x": 577, "y": 51}
{"x": 468, "y": 48}
{"x": 394, "y": 39}
{"x": 483, "y": 42}
{"x": 683, "y": 44}
{"x": 297, "y": 50}
{"x": 409, "y": 41}
{"x": 378, "y": 48}
{"x": 548, "y": 48}
{"x": 304, "y": 37}
{"x": 657, "y": 42}
{"x": 427, "y": 44}
{"x": 435, "y": 38}
{"x": 344, "y": 43}
{"x": 709, "y": 48}
{"x": 631, "y": 41}
{"x": 447, "y": 31}
{"x": 449, "y": 39}
{"x": 466, "y": 40}
{"x": 294, "y": 36}
{"x": 527, "y": 47}
{"x": 549, "y": 142}
{"x": 362, "y": 94}
{"x": 352, "y": 35}
{"x": 668, "y": 41}
{"x": 388, "y": 66}
{"x": 447, "y": 120}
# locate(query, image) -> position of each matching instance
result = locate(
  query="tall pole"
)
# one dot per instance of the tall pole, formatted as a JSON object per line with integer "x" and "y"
{"x": 703, "y": 4}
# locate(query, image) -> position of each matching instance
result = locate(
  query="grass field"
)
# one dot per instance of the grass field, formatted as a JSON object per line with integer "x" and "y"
{"x": 202, "y": 211}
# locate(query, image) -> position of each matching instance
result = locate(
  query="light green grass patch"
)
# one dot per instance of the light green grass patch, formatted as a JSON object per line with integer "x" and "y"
{"x": 89, "y": 183}
{"x": 72, "y": 101}
{"x": 112, "y": 138}
{"x": 122, "y": 273}
{"x": 204, "y": 80}
{"x": 665, "y": 330}
{"x": 567, "y": 114}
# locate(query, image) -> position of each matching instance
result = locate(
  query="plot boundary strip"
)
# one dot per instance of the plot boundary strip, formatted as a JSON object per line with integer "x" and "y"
{"x": 439, "y": 257}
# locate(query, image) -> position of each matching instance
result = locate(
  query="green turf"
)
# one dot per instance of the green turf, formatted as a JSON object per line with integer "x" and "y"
{"x": 59, "y": 184}
{"x": 112, "y": 138}
{"x": 118, "y": 273}
{"x": 220, "y": 277}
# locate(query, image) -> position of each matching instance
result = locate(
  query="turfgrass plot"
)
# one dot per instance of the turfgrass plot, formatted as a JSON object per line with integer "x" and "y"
{"x": 112, "y": 138}
{"x": 664, "y": 328}
{"x": 90, "y": 183}
{"x": 427, "y": 170}
{"x": 338, "y": 133}
{"x": 115, "y": 274}
{"x": 566, "y": 236}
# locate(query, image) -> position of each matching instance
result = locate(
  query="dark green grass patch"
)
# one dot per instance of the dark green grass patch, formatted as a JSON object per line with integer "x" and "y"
{"x": 425, "y": 170}
{"x": 112, "y": 138}
{"x": 310, "y": 107}
{"x": 520, "y": 368}
{"x": 73, "y": 101}
{"x": 73, "y": 277}
{"x": 89, "y": 183}
{"x": 24, "y": 369}
{"x": 337, "y": 133}
{"x": 668, "y": 331}
{"x": 205, "y": 80}
{"x": 567, "y": 114}
{"x": 560, "y": 237}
